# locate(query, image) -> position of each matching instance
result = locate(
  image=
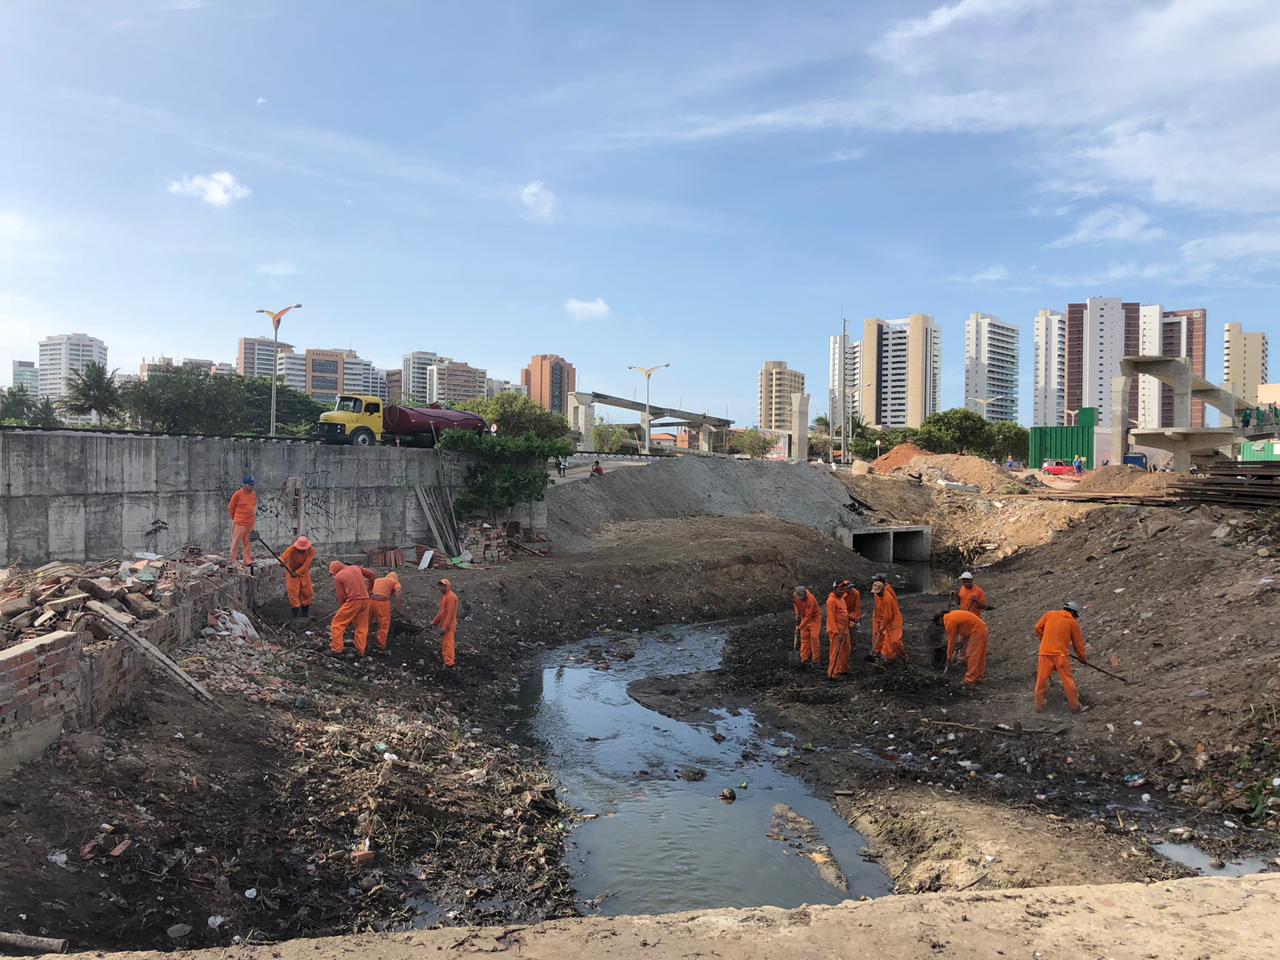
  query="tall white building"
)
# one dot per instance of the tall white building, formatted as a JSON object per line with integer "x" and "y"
{"x": 1244, "y": 361}
{"x": 416, "y": 369}
{"x": 291, "y": 368}
{"x": 845, "y": 365}
{"x": 1100, "y": 332}
{"x": 256, "y": 357}
{"x": 900, "y": 368}
{"x": 991, "y": 368}
{"x": 1049, "y": 369}
{"x": 64, "y": 355}
{"x": 454, "y": 382}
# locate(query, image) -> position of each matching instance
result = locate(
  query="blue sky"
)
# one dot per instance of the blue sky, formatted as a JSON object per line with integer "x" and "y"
{"x": 708, "y": 184}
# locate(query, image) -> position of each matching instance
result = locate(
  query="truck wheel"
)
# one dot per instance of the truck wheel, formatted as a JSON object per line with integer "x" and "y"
{"x": 362, "y": 437}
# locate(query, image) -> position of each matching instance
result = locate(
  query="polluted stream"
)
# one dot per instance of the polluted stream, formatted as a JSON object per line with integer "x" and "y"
{"x": 657, "y": 837}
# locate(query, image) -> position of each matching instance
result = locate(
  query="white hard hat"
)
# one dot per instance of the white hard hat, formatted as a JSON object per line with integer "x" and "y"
{"x": 966, "y": 575}
{"x": 1072, "y": 606}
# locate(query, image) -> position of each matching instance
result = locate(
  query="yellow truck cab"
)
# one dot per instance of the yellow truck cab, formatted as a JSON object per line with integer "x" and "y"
{"x": 355, "y": 418}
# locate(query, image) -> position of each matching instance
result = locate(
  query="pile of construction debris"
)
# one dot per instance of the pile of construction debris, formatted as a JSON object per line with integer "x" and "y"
{"x": 49, "y": 598}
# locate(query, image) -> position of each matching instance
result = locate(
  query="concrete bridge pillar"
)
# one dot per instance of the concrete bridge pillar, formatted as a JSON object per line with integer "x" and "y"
{"x": 582, "y": 420}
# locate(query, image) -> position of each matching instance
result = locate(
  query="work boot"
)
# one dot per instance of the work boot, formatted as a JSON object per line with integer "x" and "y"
{"x": 306, "y": 609}
{"x": 295, "y": 613}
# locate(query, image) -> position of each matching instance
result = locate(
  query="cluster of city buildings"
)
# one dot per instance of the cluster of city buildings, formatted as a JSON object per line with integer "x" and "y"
{"x": 891, "y": 377}
{"x": 423, "y": 377}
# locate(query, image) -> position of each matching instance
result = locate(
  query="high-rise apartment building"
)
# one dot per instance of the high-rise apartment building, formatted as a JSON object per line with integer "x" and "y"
{"x": 416, "y": 375}
{"x": 1169, "y": 333}
{"x": 456, "y": 382}
{"x": 548, "y": 380}
{"x": 291, "y": 368}
{"x": 1049, "y": 368}
{"x": 324, "y": 370}
{"x": 778, "y": 384}
{"x": 256, "y": 357}
{"x": 1244, "y": 361}
{"x": 991, "y": 368}
{"x": 901, "y": 363}
{"x": 1100, "y": 332}
{"x": 64, "y": 355}
{"x": 26, "y": 375}
{"x": 395, "y": 385}
{"x": 845, "y": 365}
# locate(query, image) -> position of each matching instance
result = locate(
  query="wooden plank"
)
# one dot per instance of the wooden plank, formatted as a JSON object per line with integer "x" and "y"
{"x": 113, "y": 621}
{"x": 431, "y": 520}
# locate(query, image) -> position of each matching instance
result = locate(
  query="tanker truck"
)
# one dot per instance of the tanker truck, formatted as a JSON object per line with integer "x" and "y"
{"x": 363, "y": 420}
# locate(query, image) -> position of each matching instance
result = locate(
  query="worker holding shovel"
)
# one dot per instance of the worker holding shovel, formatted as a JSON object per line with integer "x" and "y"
{"x": 808, "y": 624}
{"x": 296, "y": 562}
{"x": 1059, "y": 632}
{"x": 838, "y": 630}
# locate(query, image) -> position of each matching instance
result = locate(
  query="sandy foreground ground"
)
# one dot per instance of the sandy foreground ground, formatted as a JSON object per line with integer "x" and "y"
{"x": 1206, "y": 918}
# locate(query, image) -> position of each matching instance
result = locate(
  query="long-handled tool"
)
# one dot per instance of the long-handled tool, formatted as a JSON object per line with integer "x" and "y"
{"x": 793, "y": 658}
{"x": 1099, "y": 669}
{"x": 257, "y": 537}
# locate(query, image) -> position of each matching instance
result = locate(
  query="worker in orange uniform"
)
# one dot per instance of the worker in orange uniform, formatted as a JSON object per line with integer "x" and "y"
{"x": 1059, "y": 632}
{"x": 385, "y": 596}
{"x": 967, "y": 638}
{"x": 351, "y": 586}
{"x": 886, "y": 623}
{"x": 447, "y": 620}
{"x": 809, "y": 623}
{"x": 970, "y": 596}
{"x": 853, "y": 603}
{"x": 838, "y": 631}
{"x": 297, "y": 560}
{"x": 243, "y": 510}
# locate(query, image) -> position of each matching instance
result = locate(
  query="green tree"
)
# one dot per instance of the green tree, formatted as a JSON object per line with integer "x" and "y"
{"x": 183, "y": 400}
{"x": 93, "y": 390}
{"x": 821, "y": 425}
{"x": 16, "y": 404}
{"x": 1010, "y": 439}
{"x": 953, "y": 431}
{"x": 296, "y": 413}
{"x": 44, "y": 414}
{"x": 820, "y": 445}
{"x": 752, "y": 443}
{"x": 608, "y": 437}
{"x": 515, "y": 414}
{"x": 509, "y": 469}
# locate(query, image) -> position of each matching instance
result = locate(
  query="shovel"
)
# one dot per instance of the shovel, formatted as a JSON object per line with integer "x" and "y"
{"x": 793, "y": 658}
{"x": 257, "y": 538}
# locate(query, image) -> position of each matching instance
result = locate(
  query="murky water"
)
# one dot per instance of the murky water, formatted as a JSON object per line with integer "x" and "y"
{"x": 660, "y": 843}
{"x": 1196, "y": 859}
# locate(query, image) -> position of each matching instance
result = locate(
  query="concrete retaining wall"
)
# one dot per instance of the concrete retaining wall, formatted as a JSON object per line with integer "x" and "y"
{"x": 74, "y": 495}
{"x": 67, "y": 680}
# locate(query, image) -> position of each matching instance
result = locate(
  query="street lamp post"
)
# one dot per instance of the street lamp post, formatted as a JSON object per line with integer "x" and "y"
{"x": 987, "y": 401}
{"x": 648, "y": 373}
{"x": 275, "y": 354}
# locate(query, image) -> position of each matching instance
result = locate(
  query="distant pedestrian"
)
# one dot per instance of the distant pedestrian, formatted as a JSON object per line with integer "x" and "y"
{"x": 562, "y": 465}
{"x": 1008, "y": 463}
{"x": 1077, "y": 464}
{"x": 596, "y": 470}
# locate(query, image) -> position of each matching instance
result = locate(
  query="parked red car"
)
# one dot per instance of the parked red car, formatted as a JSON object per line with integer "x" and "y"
{"x": 1057, "y": 468}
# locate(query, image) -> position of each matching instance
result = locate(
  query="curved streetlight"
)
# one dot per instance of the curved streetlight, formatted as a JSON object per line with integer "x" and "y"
{"x": 648, "y": 373}
{"x": 276, "y": 317}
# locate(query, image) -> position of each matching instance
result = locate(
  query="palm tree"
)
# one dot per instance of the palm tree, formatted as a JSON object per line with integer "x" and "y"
{"x": 16, "y": 403}
{"x": 93, "y": 391}
{"x": 821, "y": 425}
{"x": 44, "y": 414}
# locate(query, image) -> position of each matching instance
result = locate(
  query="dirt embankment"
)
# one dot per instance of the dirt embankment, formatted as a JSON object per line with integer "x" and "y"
{"x": 690, "y": 487}
{"x": 1189, "y": 918}
{"x": 1126, "y": 480}
{"x": 308, "y": 761}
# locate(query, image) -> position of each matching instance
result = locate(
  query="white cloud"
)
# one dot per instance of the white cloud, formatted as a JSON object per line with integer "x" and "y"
{"x": 277, "y": 268}
{"x": 539, "y": 202}
{"x": 1260, "y": 246}
{"x": 845, "y": 155}
{"x": 991, "y": 275}
{"x": 261, "y": 100}
{"x": 216, "y": 189}
{"x": 14, "y": 230}
{"x": 586, "y": 310}
{"x": 1117, "y": 224}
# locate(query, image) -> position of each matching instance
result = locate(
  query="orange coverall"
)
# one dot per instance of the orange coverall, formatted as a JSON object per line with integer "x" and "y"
{"x": 351, "y": 584}
{"x": 973, "y": 633}
{"x": 297, "y": 575}
{"x": 972, "y": 599}
{"x": 838, "y": 634}
{"x": 385, "y": 589}
{"x": 853, "y": 603}
{"x": 809, "y": 617}
{"x": 447, "y": 620}
{"x": 1058, "y": 631}
{"x": 243, "y": 510}
{"x": 886, "y": 627}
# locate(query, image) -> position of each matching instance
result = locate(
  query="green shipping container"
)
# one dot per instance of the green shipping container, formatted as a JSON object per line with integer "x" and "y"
{"x": 1260, "y": 450}
{"x": 1063, "y": 443}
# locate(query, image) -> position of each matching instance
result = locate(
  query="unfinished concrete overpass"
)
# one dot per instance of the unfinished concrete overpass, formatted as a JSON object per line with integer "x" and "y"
{"x": 713, "y": 432}
{"x": 1181, "y": 440}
